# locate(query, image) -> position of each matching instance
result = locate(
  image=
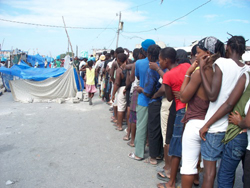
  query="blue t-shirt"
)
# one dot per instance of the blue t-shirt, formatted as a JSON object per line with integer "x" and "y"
{"x": 152, "y": 84}
{"x": 141, "y": 68}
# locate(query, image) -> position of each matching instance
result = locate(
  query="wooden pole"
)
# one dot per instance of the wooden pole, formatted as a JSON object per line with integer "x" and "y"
{"x": 72, "y": 54}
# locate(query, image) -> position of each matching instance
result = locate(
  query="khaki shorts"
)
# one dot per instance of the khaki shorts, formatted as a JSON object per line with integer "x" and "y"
{"x": 165, "y": 105}
{"x": 121, "y": 100}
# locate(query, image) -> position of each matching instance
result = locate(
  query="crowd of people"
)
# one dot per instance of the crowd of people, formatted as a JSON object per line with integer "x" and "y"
{"x": 184, "y": 108}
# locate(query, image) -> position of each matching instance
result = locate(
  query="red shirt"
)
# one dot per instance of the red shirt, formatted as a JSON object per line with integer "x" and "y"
{"x": 174, "y": 78}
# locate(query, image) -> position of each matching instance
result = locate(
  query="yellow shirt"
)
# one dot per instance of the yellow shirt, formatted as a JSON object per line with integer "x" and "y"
{"x": 90, "y": 76}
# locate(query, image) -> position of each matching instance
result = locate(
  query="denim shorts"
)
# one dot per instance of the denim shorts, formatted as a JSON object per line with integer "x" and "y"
{"x": 175, "y": 147}
{"x": 212, "y": 148}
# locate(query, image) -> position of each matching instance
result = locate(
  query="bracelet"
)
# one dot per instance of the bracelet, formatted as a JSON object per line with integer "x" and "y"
{"x": 157, "y": 69}
{"x": 187, "y": 76}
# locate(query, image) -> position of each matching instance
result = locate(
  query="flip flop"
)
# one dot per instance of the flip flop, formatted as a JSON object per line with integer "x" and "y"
{"x": 148, "y": 160}
{"x": 131, "y": 145}
{"x": 126, "y": 138}
{"x": 119, "y": 129}
{"x": 162, "y": 184}
{"x": 113, "y": 121}
{"x": 165, "y": 178}
{"x": 159, "y": 169}
{"x": 132, "y": 156}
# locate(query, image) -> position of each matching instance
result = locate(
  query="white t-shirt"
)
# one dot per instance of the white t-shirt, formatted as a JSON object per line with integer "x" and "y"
{"x": 134, "y": 84}
{"x": 248, "y": 130}
{"x": 231, "y": 72}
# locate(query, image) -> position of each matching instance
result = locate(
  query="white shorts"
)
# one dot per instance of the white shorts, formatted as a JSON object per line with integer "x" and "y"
{"x": 191, "y": 146}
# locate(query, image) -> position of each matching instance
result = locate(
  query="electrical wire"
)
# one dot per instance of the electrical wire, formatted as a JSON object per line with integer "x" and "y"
{"x": 171, "y": 21}
{"x": 55, "y": 26}
{"x": 112, "y": 41}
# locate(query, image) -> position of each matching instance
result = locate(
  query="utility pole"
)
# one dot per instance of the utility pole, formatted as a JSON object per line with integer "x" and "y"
{"x": 118, "y": 31}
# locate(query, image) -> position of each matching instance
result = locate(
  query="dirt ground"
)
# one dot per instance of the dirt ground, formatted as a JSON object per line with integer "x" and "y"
{"x": 51, "y": 145}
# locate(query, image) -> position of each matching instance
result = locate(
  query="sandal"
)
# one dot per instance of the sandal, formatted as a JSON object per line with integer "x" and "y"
{"x": 162, "y": 176}
{"x": 149, "y": 161}
{"x": 132, "y": 156}
{"x": 131, "y": 145}
{"x": 126, "y": 138}
{"x": 119, "y": 128}
{"x": 162, "y": 184}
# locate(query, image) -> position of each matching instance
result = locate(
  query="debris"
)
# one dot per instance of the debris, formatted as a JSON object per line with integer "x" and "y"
{"x": 9, "y": 182}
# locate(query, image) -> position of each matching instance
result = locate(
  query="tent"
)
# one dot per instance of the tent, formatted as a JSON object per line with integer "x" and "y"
{"x": 32, "y": 59}
{"x": 41, "y": 85}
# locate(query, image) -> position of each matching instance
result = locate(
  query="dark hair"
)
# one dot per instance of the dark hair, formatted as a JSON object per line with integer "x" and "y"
{"x": 153, "y": 52}
{"x": 142, "y": 53}
{"x": 108, "y": 55}
{"x": 237, "y": 44}
{"x": 90, "y": 63}
{"x": 168, "y": 53}
{"x": 104, "y": 52}
{"x": 122, "y": 57}
{"x": 182, "y": 56}
{"x": 193, "y": 51}
{"x": 136, "y": 52}
{"x": 85, "y": 59}
{"x": 119, "y": 50}
{"x": 112, "y": 52}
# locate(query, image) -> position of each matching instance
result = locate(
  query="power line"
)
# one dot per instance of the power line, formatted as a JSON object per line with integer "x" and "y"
{"x": 55, "y": 26}
{"x": 139, "y": 5}
{"x": 112, "y": 41}
{"x": 171, "y": 21}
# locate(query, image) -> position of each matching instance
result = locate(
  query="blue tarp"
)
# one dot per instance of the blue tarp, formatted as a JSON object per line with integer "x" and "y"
{"x": 32, "y": 59}
{"x": 37, "y": 74}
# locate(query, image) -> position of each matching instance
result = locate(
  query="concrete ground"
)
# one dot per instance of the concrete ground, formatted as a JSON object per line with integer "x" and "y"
{"x": 51, "y": 145}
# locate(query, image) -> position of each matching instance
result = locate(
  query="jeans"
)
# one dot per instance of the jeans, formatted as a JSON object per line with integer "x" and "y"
{"x": 232, "y": 154}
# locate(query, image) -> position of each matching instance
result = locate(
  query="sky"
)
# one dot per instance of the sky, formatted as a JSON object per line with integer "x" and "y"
{"x": 98, "y": 21}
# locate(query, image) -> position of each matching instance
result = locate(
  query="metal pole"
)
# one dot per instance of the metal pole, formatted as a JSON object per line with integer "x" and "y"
{"x": 118, "y": 31}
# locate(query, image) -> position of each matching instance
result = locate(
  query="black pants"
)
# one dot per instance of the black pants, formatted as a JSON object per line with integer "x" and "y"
{"x": 247, "y": 170}
{"x": 154, "y": 129}
{"x": 171, "y": 120}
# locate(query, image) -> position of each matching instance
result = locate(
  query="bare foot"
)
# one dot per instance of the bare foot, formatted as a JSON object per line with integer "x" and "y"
{"x": 126, "y": 138}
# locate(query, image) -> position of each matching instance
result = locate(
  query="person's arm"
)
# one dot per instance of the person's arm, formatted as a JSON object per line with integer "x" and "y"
{"x": 116, "y": 83}
{"x": 227, "y": 106}
{"x": 128, "y": 83}
{"x": 112, "y": 71}
{"x": 154, "y": 66}
{"x": 190, "y": 84}
{"x": 136, "y": 71}
{"x": 129, "y": 66}
{"x": 132, "y": 75}
{"x": 212, "y": 90}
{"x": 168, "y": 93}
{"x": 160, "y": 92}
{"x": 236, "y": 119}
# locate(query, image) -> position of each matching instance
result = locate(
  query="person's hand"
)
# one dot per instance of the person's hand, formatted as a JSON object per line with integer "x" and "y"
{"x": 124, "y": 92}
{"x": 177, "y": 94}
{"x": 139, "y": 89}
{"x": 113, "y": 98}
{"x": 192, "y": 68}
{"x": 153, "y": 66}
{"x": 204, "y": 60}
{"x": 203, "y": 132}
{"x": 235, "y": 118}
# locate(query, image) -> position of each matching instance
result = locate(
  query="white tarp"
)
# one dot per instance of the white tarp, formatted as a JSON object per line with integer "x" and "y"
{"x": 63, "y": 86}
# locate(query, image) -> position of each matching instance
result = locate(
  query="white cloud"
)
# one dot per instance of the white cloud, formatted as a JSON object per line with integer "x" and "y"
{"x": 81, "y": 13}
{"x": 238, "y": 20}
{"x": 210, "y": 17}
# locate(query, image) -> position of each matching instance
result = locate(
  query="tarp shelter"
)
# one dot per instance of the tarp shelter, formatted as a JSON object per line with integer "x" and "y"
{"x": 41, "y": 85}
{"x": 32, "y": 59}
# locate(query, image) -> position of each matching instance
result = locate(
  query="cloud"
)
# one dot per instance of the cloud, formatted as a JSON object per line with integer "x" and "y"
{"x": 210, "y": 17}
{"x": 237, "y": 20}
{"x": 234, "y": 3}
{"x": 82, "y": 13}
